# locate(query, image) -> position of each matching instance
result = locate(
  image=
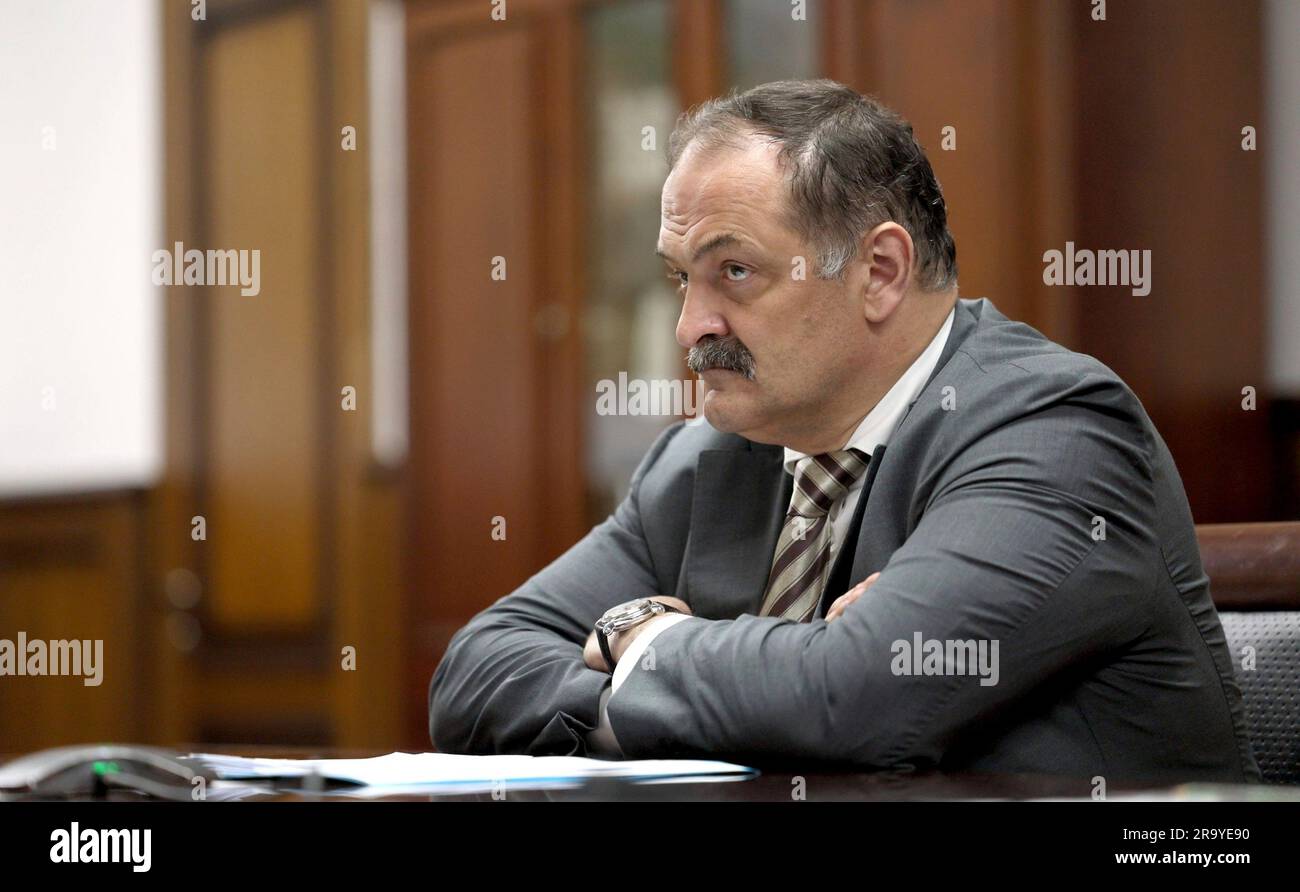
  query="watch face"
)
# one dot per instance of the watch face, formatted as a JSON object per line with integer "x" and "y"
{"x": 627, "y": 614}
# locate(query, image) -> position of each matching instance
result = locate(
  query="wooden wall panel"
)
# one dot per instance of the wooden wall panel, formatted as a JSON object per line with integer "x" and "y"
{"x": 495, "y": 169}
{"x": 472, "y": 351}
{"x": 699, "y": 50}
{"x": 957, "y": 63}
{"x": 303, "y": 553}
{"x": 267, "y": 416}
{"x": 1161, "y": 146}
{"x": 70, "y": 569}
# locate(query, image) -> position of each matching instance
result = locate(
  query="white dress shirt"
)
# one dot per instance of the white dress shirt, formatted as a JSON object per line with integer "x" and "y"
{"x": 875, "y": 430}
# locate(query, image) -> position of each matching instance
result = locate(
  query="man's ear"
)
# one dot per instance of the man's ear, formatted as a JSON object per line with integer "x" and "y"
{"x": 888, "y": 252}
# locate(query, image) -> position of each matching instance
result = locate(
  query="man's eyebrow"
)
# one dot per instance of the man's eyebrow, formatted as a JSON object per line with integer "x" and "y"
{"x": 721, "y": 240}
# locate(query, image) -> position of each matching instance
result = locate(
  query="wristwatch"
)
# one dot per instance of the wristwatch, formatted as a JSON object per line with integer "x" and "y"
{"x": 625, "y": 616}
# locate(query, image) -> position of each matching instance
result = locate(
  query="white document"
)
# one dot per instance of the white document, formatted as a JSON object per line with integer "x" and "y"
{"x": 467, "y": 772}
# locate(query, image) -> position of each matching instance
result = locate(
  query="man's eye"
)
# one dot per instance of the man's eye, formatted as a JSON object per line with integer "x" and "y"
{"x": 740, "y": 273}
{"x": 678, "y": 277}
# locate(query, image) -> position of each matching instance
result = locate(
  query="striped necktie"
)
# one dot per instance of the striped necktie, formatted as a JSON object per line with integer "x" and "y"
{"x": 802, "y": 563}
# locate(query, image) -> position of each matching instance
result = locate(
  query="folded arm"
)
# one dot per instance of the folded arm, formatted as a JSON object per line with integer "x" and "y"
{"x": 1005, "y": 551}
{"x": 513, "y": 680}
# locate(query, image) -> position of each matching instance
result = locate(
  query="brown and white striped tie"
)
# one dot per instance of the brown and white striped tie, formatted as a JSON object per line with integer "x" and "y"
{"x": 802, "y": 563}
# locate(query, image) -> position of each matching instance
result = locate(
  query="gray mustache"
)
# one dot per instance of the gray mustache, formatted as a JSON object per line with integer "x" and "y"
{"x": 721, "y": 353}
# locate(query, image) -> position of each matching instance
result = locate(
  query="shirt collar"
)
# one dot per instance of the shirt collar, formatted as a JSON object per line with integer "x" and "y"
{"x": 880, "y": 422}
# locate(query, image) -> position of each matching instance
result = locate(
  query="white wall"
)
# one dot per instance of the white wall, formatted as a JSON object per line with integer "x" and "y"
{"x": 80, "y": 321}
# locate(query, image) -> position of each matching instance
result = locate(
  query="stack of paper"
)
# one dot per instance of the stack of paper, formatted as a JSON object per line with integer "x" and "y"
{"x": 446, "y": 772}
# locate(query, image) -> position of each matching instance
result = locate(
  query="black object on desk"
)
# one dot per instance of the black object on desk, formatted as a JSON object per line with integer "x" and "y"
{"x": 94, "y": 769}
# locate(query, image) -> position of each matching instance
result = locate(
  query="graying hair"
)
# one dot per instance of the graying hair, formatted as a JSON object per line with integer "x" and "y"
{"x": 851, "y": 164}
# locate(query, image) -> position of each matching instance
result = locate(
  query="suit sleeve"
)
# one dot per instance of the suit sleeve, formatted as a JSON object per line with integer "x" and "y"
{"x": 1005, "y": 549}
{"x": 513, "y": 680}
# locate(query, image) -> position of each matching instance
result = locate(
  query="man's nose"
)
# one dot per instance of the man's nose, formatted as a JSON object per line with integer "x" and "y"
{"x": 698, "y": 319}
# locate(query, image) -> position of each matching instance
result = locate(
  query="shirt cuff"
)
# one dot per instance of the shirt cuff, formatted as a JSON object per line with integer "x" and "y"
{"x": 632, "y": 655}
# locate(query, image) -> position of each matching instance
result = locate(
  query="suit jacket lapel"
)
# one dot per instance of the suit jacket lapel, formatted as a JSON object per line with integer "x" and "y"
{"x": 874, "y": 544}
{"x": 739, "y": 504}
{"x": 869, "y": 553}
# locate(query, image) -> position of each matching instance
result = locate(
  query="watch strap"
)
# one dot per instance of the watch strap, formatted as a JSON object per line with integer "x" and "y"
{"x": 603, "y": 640}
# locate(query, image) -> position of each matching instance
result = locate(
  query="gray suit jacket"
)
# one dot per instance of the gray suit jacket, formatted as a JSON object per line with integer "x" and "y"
{"x": 1025, "y": 498}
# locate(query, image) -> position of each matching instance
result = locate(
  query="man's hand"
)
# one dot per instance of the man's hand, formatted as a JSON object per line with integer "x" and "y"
{"x": 849, "y": 597}
{"x": 620, "y": 641}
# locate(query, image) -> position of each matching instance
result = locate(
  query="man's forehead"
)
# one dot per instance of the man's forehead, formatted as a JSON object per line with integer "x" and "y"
{"x": 750, "y": 169}
{"x": 729, "y": 182}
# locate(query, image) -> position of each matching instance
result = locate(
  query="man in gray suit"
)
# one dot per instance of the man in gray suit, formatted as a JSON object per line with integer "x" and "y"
{"x": 906, "y": 532}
